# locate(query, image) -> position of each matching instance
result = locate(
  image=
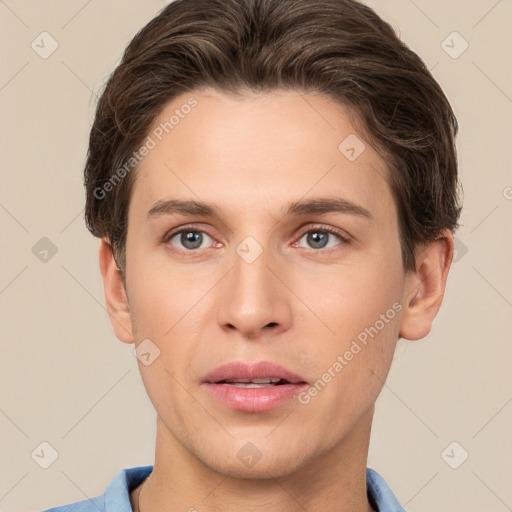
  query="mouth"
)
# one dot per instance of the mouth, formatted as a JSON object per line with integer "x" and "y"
{"x": 255, "y": 383}
{"x": 256, "y": 387}
{"x": 262, "y": 373}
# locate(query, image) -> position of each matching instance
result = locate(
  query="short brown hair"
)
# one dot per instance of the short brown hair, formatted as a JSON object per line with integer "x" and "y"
{"x": 340, "y": 48}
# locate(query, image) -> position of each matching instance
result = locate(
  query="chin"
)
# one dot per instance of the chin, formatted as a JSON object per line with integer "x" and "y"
{"x": 246, "y": 461}
{"x": 260, "y": 471}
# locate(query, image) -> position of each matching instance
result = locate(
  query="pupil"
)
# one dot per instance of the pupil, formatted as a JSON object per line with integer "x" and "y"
{"x": 317, "y": 239}
{"x": 191, "y": 239}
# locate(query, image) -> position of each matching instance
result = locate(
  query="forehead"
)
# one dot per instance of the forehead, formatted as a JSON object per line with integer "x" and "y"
{"x": 259, "y": 149}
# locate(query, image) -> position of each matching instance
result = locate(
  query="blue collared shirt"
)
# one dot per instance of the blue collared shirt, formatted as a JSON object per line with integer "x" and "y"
{"x": 117, "y": 495}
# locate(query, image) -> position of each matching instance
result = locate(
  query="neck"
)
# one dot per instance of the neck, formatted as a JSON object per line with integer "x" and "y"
{"x": 329, "y": 482}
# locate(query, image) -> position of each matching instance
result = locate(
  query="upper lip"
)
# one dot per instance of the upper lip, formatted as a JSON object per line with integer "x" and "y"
{"x": 248, "y": 371}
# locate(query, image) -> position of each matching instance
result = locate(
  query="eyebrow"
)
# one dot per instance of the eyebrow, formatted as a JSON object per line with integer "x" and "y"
{"x": 327, "y": 205}
{"x": 320, "y": 205}
{"x": 187, "y": 207}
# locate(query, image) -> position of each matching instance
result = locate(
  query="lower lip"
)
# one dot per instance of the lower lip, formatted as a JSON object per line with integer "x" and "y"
{"x": 253, "y": 399}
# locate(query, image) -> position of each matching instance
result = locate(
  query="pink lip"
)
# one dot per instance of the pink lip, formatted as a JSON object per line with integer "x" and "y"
{"x": 260, "y": 370}
{"x": 252, "y": 399}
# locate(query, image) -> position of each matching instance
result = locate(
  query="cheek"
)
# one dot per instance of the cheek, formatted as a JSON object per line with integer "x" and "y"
{"x": 347, "y": 300}
{"x": 351, "y": 368}
{"x": 357, "y": 312}
{"x": 160, "y": 294}
{"x": 167, "y": 307}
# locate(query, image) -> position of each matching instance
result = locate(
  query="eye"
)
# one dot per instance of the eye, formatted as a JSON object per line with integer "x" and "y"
{"x": 320, "y": 239}
{"x": 190, "y": 239}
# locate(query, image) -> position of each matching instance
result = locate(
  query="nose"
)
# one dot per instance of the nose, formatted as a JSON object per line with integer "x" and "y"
{"x": 252, "y": 301}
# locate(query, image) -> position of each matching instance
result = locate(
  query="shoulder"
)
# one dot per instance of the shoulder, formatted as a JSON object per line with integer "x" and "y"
{"x": 379, "y": 493}
{"x": 117, "y": 494}
{"x": 91, "y": 505}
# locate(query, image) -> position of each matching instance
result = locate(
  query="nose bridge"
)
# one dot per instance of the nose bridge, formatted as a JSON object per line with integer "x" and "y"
{"x": 251, "y": 272}
{"x": 252, "y": 297}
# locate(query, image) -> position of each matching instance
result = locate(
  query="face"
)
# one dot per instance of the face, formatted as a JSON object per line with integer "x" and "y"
{"x": 257, "y": 232}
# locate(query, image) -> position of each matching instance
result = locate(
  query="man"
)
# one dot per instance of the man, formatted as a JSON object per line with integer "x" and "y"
{"x": 274, "y": 183}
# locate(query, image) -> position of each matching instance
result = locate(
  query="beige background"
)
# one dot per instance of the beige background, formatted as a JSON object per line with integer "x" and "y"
{"x": 66, "y": 380}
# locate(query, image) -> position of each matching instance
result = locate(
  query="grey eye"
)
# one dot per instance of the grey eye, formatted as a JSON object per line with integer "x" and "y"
{"x": 190, "y": 239}
{"x": 319, "y": 239}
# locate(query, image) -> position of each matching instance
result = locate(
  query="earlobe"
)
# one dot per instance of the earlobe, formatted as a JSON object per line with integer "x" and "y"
{"x": 425, "y": 288}
{"x": 115, "y": 294}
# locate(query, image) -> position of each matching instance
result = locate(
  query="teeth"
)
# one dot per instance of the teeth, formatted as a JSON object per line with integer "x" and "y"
{"x": 268, "y": 380}
{"x": 251, "y": 384}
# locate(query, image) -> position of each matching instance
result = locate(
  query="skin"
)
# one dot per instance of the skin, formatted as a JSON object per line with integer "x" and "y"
{"x": 295, "y": 305}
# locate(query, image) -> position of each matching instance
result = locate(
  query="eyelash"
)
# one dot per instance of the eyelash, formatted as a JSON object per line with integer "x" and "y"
{"x": 344, "y": 240}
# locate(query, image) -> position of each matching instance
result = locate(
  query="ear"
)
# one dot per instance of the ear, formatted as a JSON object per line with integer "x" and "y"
{"x": 115, "y": 294}
{"x": 424, "y": 288}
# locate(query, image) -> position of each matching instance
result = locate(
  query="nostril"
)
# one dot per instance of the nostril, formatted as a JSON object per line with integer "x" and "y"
{"x": 271, "y": 324}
